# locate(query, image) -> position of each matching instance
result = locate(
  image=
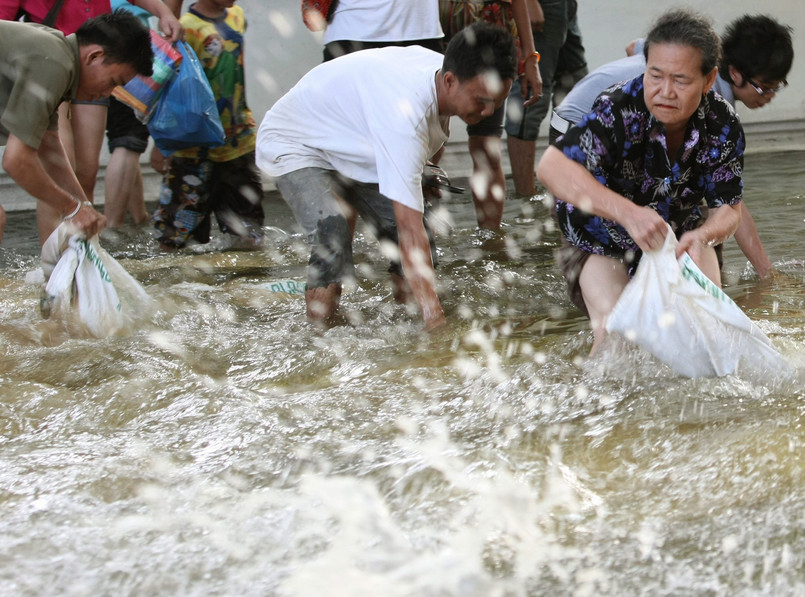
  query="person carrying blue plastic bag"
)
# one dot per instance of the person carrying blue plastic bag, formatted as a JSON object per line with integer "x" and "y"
{"x": 223, "y": 180}
{"x": 186, "y": 114}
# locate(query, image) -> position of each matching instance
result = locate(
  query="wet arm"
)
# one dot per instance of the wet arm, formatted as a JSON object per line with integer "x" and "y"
{"x": 749, "y": 242}
{"x": 721, "y": 223}
{"x": 417, "y": 264}
{"x": 569, "y": 180}
{"x": 47, "y": 175}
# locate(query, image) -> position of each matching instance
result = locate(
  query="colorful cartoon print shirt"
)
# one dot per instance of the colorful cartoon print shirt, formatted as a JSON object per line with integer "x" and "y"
{"x": 624, "y": 147}
{"x": 218, "y": 43}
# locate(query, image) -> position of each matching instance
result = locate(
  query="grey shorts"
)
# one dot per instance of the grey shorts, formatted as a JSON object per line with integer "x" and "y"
{"x": 312, "y": 194}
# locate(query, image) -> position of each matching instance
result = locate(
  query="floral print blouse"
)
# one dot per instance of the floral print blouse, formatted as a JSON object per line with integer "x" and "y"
{"x": 624, "y": 147}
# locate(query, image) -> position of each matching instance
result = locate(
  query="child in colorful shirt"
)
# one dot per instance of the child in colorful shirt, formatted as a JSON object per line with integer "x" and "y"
{"x": 222, "y": 180}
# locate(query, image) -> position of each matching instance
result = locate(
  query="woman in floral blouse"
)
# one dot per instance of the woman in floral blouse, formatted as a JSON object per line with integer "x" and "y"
{"x": 647, "y": 154}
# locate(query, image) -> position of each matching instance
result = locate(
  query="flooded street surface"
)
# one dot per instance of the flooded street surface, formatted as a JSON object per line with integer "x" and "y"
{"x": 227, "y": 448}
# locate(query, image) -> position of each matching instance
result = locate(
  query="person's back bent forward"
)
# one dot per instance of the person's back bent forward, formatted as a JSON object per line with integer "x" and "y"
{"x": 39, "y": 67}
{"x": 353, "y": 136}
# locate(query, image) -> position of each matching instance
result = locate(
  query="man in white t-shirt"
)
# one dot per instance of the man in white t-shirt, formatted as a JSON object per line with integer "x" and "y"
{"x": 352, "y": 137}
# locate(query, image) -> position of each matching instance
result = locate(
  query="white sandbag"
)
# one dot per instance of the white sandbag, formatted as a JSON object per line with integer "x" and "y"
{"x": 674, "y": 311}
{"x": 87, "y": 286}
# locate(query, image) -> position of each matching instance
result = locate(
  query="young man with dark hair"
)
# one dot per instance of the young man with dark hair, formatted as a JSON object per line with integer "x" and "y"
{"x": 756, "y": 55}
{"x": 82, "y": 122}
{"x": 39, "y": 68}
{"x": 352, "y": 137}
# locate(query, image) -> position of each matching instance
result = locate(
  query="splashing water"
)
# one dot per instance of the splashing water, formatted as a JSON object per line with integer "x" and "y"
{"x": 228, "y": 448}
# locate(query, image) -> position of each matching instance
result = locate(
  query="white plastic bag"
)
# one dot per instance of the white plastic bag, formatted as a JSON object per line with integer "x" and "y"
{"x": 674, "y": 311}
{"x": 88, "y": 287}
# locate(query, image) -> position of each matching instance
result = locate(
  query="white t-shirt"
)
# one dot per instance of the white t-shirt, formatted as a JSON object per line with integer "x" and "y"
{"x": 384, "y": 20}
{"x": 373, "y": 116}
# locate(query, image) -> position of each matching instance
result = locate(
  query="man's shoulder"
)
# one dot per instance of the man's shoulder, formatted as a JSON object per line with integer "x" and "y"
{"x": 581, "y": 98}
{"x": 394, "y": 69}
{"x": 613, "y": 73}
{"x": 34, "y": 32}
{"x": 32, "y": 42}
{"x": 623, "y": 100}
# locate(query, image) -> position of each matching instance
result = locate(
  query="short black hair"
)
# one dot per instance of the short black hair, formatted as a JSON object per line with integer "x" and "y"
{"x": 687, "y": 28}
{"x": 123, "y": 37}
{"x": 481, "y": 48}
{"x": 757, "y": 46}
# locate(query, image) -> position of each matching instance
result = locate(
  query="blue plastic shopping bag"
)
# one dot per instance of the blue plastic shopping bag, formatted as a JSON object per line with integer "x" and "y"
{"x": 142, "y": 93}
{"x": 186, "y": 114}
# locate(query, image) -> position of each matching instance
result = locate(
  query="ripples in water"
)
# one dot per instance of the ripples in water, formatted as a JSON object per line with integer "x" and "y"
{"x": 228, "y": 448}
